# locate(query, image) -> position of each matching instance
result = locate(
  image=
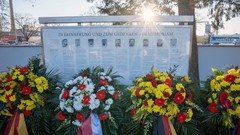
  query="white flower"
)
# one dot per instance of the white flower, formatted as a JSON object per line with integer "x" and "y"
{"x": 102, "y": 74}
{"x": 109, "y": 78}
{"x": 102, "y": 77}
{"x": 70, "y": 82}
{"x": 97, "y": 103}
{"x": 62, "y": 104}
{"x": 77, "y": 123}
{"x": 78, "y": 79}
{"x": 69, "y": 109}
{"x": 60, "y": 96}
{"x": 92, "y": 106}
{"x": 102, "y": 88}
{"x": 111, "y": 90}
{"x": 93, "y": 96}
{"x": 89, "y": 87}
{"x": 72, "y": 91}
{"x": 109, "y": 101}
{"x": 77, "y": 106}
{"x": 107, "y": 107}
{"x": 79, "y": 98}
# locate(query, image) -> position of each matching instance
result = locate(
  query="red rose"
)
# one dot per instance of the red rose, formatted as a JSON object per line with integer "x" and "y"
{"x": 132, "y": 112}
{"x": 26, "y": 90}
{"x": 145, "y": 102}
{"x": 166, "y": 94}
{"x": 24, "y": 70}
{"x": 101, "y": 94}
{"x": 86, "y": 100}
{"x": 116, "y": 95}
{"x": 60, "y": 116}
{"x": 103, "y": 82}
{"x": 137, "y": 92}
{"x": 7, "y": 88}
{"x": 181, "y": 117}
{"x": 27, "y": 113}
{"x": 21, "y": 86}
{"x": 213, "y": 108}
{"x": 178, "y": 98}
{"x": 65, "y": 94}
{"x": 159, "y": 101}
{"x": 9, "y": 79}
{"x": 81, "y": 86}
{"x": 168, "y": 82}
{"x": 149, "y": 77}
{"x": 154, "y": 83}
{"x": 230, "y": 78}
{"x": 190, "y": 97}
{"x": 103, "y": 116}
{"x": 80, "y": 117}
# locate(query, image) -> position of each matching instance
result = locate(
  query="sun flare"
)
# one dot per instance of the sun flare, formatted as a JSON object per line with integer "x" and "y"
{"x": 148, "y": 14}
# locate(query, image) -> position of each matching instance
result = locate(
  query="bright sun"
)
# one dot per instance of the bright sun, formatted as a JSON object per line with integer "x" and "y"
{"x": 148, "y": 14}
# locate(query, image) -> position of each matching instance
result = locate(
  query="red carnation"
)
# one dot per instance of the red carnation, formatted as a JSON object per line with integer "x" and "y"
{"x": 132, "y": 112}
{"x": 181, "y": 117}
{"x": 137, "y": 92}
{"x": 24, "y": 70}
{"x": 86, "y": 100}
{"x": 26, "y": 90}
{"x": 101, "y": 94}
{"x": 142, "y": 123}
{"x": 103, "y": 116}
{"x": 9, "y": 79}
{"x": 230, "y": 78}
{"x": 168, "y": 82}
{"x": 65, "y": 94}
{"x": 190, "y": 97}
{"x": 154, "y": 83}
{"x": 223, "y": 96}
{"x": 81, "y": 86}
{"x": 116, "y": 95}
{"x": 21, "y": 86}
{"x": 166, "y": 94}
{"x": 145, "y": 102}
{"x": 7, "y": 88}
{"x": 27, "y": 113}
{"x": 103, "y": 82}
{"x": 60, "y": 116}
{"x": 80, "y": 117}
{"x": 149, "y": 77}
{"x": 213, "y": 108}
{"x": 159, "y": 101}
{"x": 178, "y": 98}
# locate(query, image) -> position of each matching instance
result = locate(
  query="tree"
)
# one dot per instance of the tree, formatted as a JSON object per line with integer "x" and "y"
{"x": 27, "y": 25}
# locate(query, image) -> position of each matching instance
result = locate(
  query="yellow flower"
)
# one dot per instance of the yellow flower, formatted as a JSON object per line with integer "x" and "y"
{"x": 237, "y": 80}
{"x": 40, "y": 88}
{"x": 168, "y": 90}
{"x": 179, "y": 86}
{"x": 214, "y": 95}
{"x": 237, "y": 87}
{"x": 189, "y": 115}
{"x": 149, "y": 109}
{"x": 147, "y": 96}
{"x": 158, "y": 94}
{"x": 21, "y": 106}
{"x": 210, "y": 100}
{"x": 219, "y": 78}
{"x": 156, "y": 108}
{"x": 187, "y": 79}
{"x": 224, "y": 83}
{"x": 237, "y": 99}
{"x": 21, "y": 77}
{"x": 30, "y": 107}
{"x": 29, "y": 102}
{"x": 150, "y": 102}
{"x": 12, "y": 98}
{"x": 217, "y": 87}
{"x": 233, "y": 87}
{"x": 138, "y": 80}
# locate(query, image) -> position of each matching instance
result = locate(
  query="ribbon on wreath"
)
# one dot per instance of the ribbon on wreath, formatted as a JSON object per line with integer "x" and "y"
{"x": 163, "y": 126}
{"x": 92, "y": 126}
{"x": 16, "y": 125}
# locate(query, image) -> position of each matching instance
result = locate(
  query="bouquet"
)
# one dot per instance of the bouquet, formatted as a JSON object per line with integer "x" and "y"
{"x": 161, "y": 94}
{"x": 89, "y": 95}
{"x": 224, "y": 97}
{"x": 25, "y": 93}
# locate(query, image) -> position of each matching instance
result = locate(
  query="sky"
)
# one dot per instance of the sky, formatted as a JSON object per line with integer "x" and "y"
{"x": 50, "y": 8}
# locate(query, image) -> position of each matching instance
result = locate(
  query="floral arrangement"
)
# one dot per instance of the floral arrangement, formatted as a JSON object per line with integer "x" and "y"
{"x": 91, "y": 91}
{"x": 224, "y": 96}
{"x": 161, "y": 94}
{"x": 21, "y": 90}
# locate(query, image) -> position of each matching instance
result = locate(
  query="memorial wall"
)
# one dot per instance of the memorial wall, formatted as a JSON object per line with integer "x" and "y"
{"x": 130, "y": 50}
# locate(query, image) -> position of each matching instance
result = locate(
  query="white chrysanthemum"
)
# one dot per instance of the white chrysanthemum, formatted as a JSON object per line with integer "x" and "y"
{"x": 93, "y": 96}
{"x": 108, "y": 78}
{"x": 77, "y": 105}
{"x": 69, "y": 109}
{"x": 92, "y": 106}
{"x": 102, "y": 77}
{"x": 111, "y": 90}
{"x": 102, "y": 73}
{"x": 78, "y": 79}
{"x": 77, "y": 123}
{"x": 97, "y": 103}
{"x": 62, "y": 104}
{"x": 72, "y": 91}
{"x": 70, "y": 82}
{"x": 107, "y": 107}
{"x": 109, "y": 101}
{"x": 89, "y": 88}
